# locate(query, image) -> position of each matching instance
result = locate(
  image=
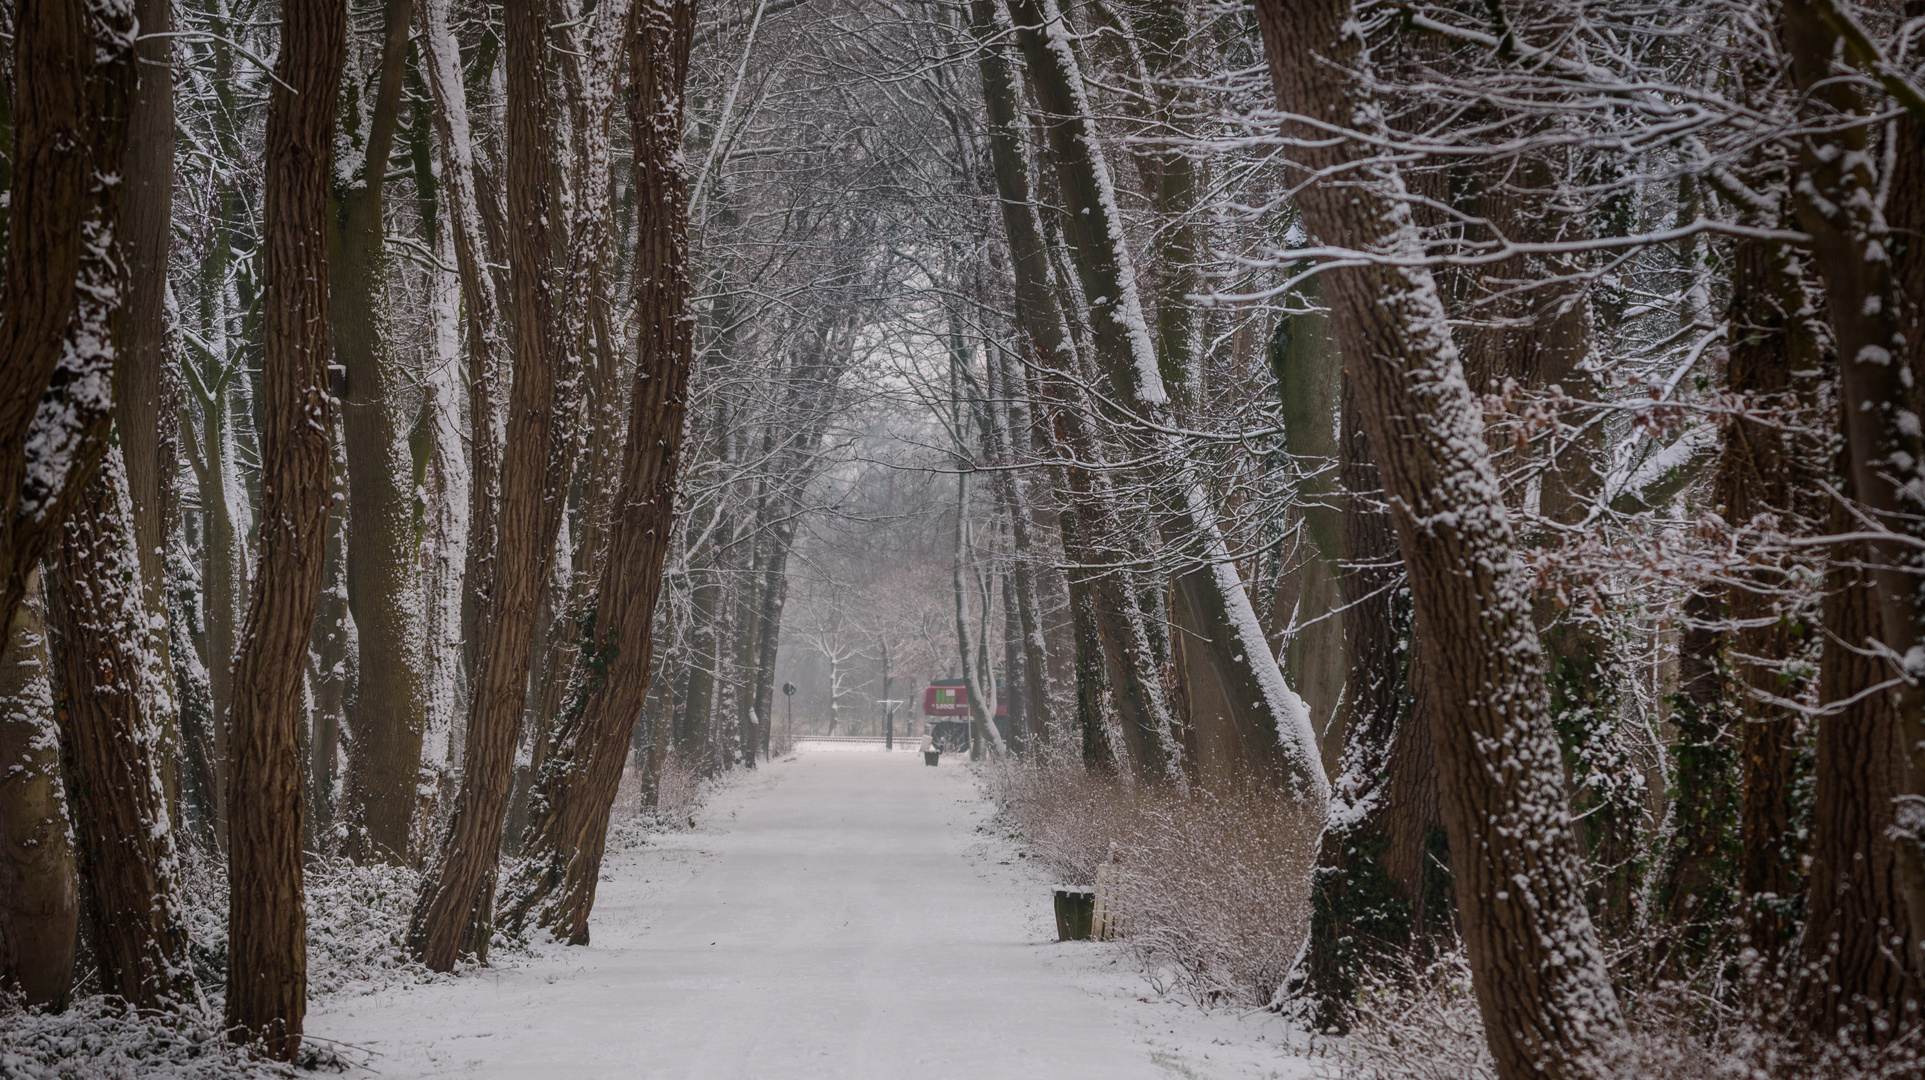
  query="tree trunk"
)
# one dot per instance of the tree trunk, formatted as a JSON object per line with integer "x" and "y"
{"x": 1699, "y": 883}
{"x": 696, "y": 734}
{"x": 462, "y": 212}
{"x": 1838, "y": 203}
{"x": 390, "y": 712}
{"x": 1539, "y": 974}
{"x": 266, "y": 925}
{"x": 1854, "y": 981}
{"x": 773, "y": 595}
{"x": 1111, "y": 637}
{"x": 114, "y": 701}
{"x": 1270, "y": 719}
{"x": 1766, "y": 479}
{"x": 1375, "y": 880}
{"x": 331, "y": 661}
{"x": 555, "y": 885}
{"x": 146, "y": 391}
{"x": 981, "y": 698}
{"x": 74, "y": 79}
{"x": 223, "y": 576}
{"x": 1023, "y": 647}
{"x": 1311, "y": 603}
{"x": 454, "y": 915}
{"x": 39, "y": 892}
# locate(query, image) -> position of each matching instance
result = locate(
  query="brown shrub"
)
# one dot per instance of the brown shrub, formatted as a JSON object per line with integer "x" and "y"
{"x": 1213, "y": 886}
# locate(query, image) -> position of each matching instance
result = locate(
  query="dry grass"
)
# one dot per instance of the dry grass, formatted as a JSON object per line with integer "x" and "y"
{"x": 1212, "y": 886}
{"x": 1422, "y": 1023}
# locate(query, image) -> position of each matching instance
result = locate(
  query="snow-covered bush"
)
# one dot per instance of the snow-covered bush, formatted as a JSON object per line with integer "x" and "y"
{"x": 1213, "y": 886}
{"x": 98, "y": 1038}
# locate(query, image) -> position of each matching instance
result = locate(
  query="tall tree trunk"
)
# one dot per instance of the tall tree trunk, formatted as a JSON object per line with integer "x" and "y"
{"x": 1838, "y": 203}
{"x": 1539, "y": 974}
{"x": 114, "y": 700}
{"x": 390, "y": 712}
{"x": 555, "y": 886}
{"x": 1857, "y": 932}
{"x": 223, "y": 575}
{"x": 267, "y": 920}
{"x": 1111, "y": 636}
{"x": 981, "y": 699}
{"x": 1766, "y": 479}
{"x": 1311, "y": 602}
{"x": 1028, "y": 634}
{"x": 772, "y": 597}
{"x": 39, "y": 891}
{"x": 146, "y": 394}
{"x": 695, "y": 735}
{"x": 74, "y": 81}
{"x": 1270, "y": 719}
{"x": 481, "y": 329}
{"x": 1699, "y": 882}
{"x": 1376, "y": 881}
{"x": 454, "y": 915}
{"x": 333, "y": 636}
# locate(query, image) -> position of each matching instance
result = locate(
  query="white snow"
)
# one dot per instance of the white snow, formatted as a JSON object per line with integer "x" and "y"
{"x": 836, "y": 915}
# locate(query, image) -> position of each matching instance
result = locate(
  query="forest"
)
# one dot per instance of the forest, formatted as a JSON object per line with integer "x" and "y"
{"x": 1436, "y": 488}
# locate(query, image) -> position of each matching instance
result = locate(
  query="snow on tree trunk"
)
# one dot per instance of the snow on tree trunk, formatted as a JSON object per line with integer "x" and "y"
{"x": 454, "y": 914}
{"x": 115, "y": 697}
{"x": 1539, "y": 973}
{"x": 39, "y": 889}
{"x": 75, "y": 75}
{"x": 389, "y": 713}
{"x": 1837, "y": 200}
{"x": 1269, "y": 717}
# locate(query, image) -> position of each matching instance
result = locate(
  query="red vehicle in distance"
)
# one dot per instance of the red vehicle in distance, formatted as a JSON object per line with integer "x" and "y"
{"x": 947, "y": 698}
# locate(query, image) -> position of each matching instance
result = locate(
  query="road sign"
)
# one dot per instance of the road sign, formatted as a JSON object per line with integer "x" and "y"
{"x": 788, "y": 688}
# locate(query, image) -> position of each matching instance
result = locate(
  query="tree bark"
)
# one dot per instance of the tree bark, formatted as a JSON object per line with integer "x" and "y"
{"x": 146, "y": 391}
{"x": 454, "y": 915}
{"x": 555, "y": 886}
{"x": 481, "y": 328}
{"x": 267, "y": 947}
{"x": 1309, "y": 371}
{"x": 74, "y": 77}
{"x": 980, "y": 697}
{"x": 390, "y": 712}
{"x": 1837, "y": 200}
{"x": 1857, "y": 931}
{"x": 332, "y": 663}
{"x": 39, "y": 889}
{"x": 114, "y": 698}
{"x": 1765, "y": 479}
{"x": 1538, "y": 972}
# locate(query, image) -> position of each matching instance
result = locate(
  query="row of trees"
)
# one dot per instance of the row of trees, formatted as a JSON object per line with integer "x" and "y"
{"x": 1490, "y": 426}
{"x": 1541, "y": 395}
{"x": 241, "y": 483}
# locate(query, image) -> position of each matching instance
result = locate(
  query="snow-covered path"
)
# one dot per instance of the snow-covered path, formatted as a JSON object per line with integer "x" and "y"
{"x": 839, "y": 915}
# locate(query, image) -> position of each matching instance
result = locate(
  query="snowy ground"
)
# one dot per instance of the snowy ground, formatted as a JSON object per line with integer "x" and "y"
{"x": 836, "y": 915}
